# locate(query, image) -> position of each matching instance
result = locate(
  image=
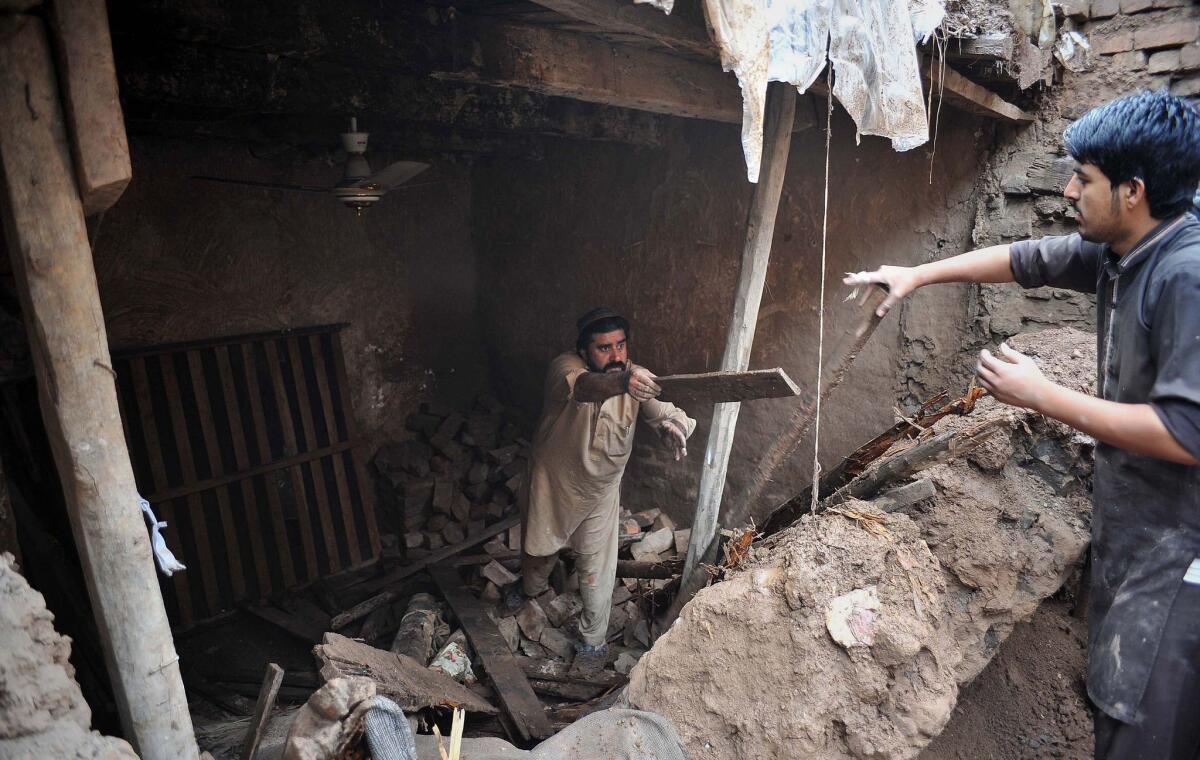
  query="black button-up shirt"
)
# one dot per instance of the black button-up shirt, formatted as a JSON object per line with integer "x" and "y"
{"x": 1146, "y": 515}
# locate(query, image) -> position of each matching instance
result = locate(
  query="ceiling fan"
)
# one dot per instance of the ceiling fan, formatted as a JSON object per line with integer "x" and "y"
{"x": 358, "y": 188}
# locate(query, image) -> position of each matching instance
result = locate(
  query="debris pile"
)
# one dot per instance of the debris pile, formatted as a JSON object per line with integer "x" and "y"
{"x": 849, "y": 633}
{"x": 44, "y": 714}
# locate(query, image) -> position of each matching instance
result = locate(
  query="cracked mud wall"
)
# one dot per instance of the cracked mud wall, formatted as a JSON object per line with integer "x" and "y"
{"x": 658, "y": 234}
{"x": 179, "y": 259}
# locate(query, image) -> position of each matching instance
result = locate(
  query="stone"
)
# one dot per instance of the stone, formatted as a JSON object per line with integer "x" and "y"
{"x": 461, "y": 507}
{"x": 451, "y": 426}
{"x": 1172, "y": 3}
{"x": 1104, "y": 8}
{"x": 646, "y": 517}
{"x": 477, "y": 473}
{"x": 1108, "y": 44}
{"x": 637, "y": 631}
{"x": 435, "y": 540}
{"x": 654, "y": 543}
{"x": 414, "y": 540}
{"x": 558, "y": 643}
{"x": 498, "y": 574}
{"x": 621, "y": 594}
{"x": 663, "y": 521}
{"x": 563, "y": 608}
{"x": 616, "y": 622}
{"x": 683, "y": 539}
{"x": 1136, "y": 6}
{"x": 514, "y": 538}
{"x": 1189, "y": 86}
{"x": 437, "y": 523}
{"x": 1072, "y": 8}
{"x": 1167, "y": 35}
{"x": 1189, "y": 57}
{"x": 490, "y": 593}
{"x": 533, "y": 649}
{"x": 454, "y": 533}
{"x": 1164, "y": 61}
{"x": 1130, "y": 60}
{"x": 510, "y": 631}
{"x": 532, "y": 619}
{"x": 496, "y": 547}
{"x": 629, "y": 527}
{"x": 503, "y": 455}
{"x": 443, "y": 496}
{"x": 626, "y": 660}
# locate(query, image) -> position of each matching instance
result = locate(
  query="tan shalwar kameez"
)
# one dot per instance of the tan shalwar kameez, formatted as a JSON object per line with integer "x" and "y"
{"x": 572, "y": 496}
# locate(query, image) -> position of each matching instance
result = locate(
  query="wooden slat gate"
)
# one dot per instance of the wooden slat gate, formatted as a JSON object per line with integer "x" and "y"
{"x": 246, "y": 447}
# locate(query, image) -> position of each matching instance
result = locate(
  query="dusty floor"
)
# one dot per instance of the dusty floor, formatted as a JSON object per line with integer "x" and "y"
{"x": 1029, "y": 702}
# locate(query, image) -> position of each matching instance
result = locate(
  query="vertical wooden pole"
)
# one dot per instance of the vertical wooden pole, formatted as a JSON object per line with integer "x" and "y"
{"x": 760, "y": 228}
{"x": 47, "y": 241}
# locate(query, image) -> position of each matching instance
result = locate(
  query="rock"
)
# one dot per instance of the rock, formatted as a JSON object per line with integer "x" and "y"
{"x": 330, "y": 720}
{"x": 533, "y": 649}
{"x": 683, "y": 538}
{"x": 496, "y": 547}
{"x": 629, "y": 527}
{"x": 637, "y": 631}
{"x": 558, "y": 643}
{"x": 454, "y": 533}
{"x": 514, "y": 538}
{"x": 616, "y": 622}
{"x": 435, "y": 540}
{"x": 414, "y": 540}
{"x": 646, "y": 517}
{"x": 621, "y": 594}
{"x": 511, "y": 632}
{"x": 663, "y": 521}
{"x": 503, "y": 455}
{"x": 626, "y": 660}
{"x": 443, "y": 497}
{"x": 563, "y": 608}
{"x": 477, "y": 474}
{"x": 532, "y": 619}
{"x": 654, "y": 543}
{"x": 851, "y": 617}
{"x": 498, "y": 574}
{"x": 437, "y": 523}
{"x": 490, "y": 594}
{"x": 460, "y": 508}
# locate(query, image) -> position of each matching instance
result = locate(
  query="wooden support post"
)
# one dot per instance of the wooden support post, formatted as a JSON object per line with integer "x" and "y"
{"x": 760, "y": 228}
{"x": 52, "y": 264}
{"x": 272, "y": 680}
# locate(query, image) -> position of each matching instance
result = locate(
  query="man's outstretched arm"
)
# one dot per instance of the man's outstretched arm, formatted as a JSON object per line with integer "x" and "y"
{"x": 992, "y": 264}
{"x": 1015, "y": 378}
{"x": 598, "y": 386}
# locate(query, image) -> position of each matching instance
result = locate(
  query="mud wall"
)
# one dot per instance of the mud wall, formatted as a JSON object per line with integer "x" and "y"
{"x": 180, "y": 259}
{"x": 657, "y": 234}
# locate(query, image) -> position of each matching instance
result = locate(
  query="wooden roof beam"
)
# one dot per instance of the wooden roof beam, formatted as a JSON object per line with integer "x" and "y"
{"x": 965, "y": 95}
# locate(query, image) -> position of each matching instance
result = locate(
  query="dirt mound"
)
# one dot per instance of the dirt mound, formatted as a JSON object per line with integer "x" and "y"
{"x": 848, "y": 634}
{"x": 42, "y": 712}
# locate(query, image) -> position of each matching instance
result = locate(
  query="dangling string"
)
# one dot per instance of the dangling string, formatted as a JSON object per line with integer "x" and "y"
{"x": 816, "y": 463}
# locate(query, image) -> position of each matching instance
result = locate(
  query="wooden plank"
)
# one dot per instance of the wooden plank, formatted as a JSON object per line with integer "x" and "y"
{"x": 402, "y": 679}
{"x": 209, "y": 484}
{"x": 752, "y": 274}
{"x": 241, "y": 460}
{"x": 316, "y": 471}
{"x": 340, "y": 482}
{"x": 675, "y": 30}
{"x": 512, "y": 688}
{"x": 444, "y": 553}
{"x": 987, "y": 47}
{"x": 363, "y": 608}
{"x": 233, "y": 552}
{"x": 304, "y": 630}
{"x": 42, "y": 217}
{"x": 589, "y": 68}
{"x": 365, "y": 492}
{"x": 965, "y": 95}
{"x": 87, "y": 77}
{"x": 555, "y": 670}
{"x": 727, "y": 387}
{"x": 228, "y": 341}
{"x": 272, "y": 680}
{"x": 254, "y": 391}
{"x": 205, "y": 549}
{"x": 300, "y": 496}
{"x": 158, "y": 472}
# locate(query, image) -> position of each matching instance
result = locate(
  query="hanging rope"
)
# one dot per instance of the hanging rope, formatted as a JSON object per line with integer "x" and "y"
{"x": 816, "y": 463}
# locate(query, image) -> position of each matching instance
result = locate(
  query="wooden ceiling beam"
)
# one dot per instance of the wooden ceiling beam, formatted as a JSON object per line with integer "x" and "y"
{"x": 965, "y": 95}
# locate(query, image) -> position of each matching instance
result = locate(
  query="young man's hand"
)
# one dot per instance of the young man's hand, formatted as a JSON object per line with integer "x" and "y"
{"x": 899, "y": 281}
{"x": 674, "y": 437}
{"x": 1013, "y": 377}
{"x": 640, "y": 384}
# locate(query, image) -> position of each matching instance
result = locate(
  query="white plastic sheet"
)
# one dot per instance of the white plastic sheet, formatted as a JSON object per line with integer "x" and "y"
{"x": 872, "y": 44}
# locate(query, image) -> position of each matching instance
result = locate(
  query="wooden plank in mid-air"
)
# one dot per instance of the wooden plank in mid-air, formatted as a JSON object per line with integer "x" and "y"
{"x": 721, "y": 387}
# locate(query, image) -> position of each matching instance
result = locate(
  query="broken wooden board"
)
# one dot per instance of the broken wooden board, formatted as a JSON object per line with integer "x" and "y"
{"x": 272, "y": 680}
{"x": 725, "y": 387}
{"x": 305, "y": 630}
{"x": 402, "y": 679}
{"x": 512, "y": 688}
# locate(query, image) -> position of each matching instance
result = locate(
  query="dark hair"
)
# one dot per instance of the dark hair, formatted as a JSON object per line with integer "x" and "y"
{"x": 1151, "y": 136}
{"x": 599, "y": 327}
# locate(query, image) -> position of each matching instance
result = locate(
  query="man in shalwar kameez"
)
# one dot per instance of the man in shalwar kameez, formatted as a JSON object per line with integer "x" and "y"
{"x": 572, "y": 494}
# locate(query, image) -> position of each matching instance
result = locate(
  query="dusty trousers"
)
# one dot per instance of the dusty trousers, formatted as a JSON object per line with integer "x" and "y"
{"x": 1169, "y": 728}
{"x": 595, "y": 543}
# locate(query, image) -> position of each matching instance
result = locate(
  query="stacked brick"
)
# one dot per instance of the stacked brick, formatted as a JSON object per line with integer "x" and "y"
{"x": 1160, "y": 38}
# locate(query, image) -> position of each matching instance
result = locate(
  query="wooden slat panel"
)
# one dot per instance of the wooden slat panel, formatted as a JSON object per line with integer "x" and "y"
{"x": 289, "y": 445}
{"x": 264, "y": 452}
{"x": 232, "y": 549}
{"x": 204, "y": 546}
{"x": 315, "y": 469}
{"x": 364, "y": 490}
{"x": 339, "y": 468}
{"x": 158, "y": 471}
{"x": 241, "y": 460}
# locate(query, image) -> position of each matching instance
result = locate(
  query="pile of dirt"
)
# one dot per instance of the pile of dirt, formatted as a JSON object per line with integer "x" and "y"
{"x": 848, "y": 634}
{"x": 42, "y": 712}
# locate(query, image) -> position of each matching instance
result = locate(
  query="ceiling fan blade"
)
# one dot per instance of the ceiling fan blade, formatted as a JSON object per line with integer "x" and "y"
{"x": 392, "y": 175}
{"x": 267, "y": 185}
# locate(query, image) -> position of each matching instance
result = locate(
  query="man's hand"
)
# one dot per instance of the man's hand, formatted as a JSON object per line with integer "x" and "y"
{"x": 899, "y": 281}
{"x": 1014, "y": 378}
{"x": 639, "y": 383}
{"x": 675, "y": 437}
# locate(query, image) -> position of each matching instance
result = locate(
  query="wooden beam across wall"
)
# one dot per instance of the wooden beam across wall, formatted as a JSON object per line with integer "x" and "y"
{"x": 965, "y": 95}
